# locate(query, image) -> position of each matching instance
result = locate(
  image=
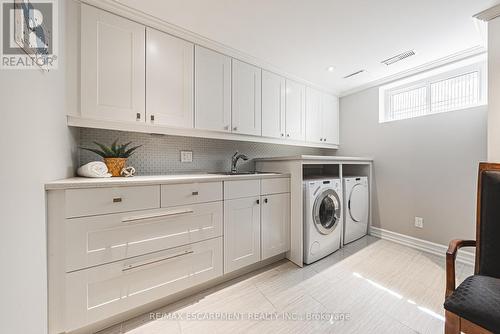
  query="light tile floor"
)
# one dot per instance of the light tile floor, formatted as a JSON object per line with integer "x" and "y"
{"x": 369, "y": 286}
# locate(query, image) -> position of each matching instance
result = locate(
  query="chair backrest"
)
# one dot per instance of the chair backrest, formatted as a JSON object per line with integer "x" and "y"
{"x": 488, "y": 221}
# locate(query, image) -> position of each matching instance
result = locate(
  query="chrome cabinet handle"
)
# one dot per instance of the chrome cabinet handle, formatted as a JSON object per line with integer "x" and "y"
{"x": 138, "y": 116}
{"x": 117, "y": 200}
{"x": 130, "y": 267}
{"x": 157, "y": 215}
{"x": 194, "y": 193}
{"x": 152, "y": 118}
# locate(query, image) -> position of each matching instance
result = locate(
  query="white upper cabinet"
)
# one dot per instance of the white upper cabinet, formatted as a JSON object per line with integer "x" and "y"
{"x": 314, "y": 122}
{"x": 169, "y": 80}
{"x": 212, "y": 90}
{"x": 246, "y": 99}
{"x": 295, "y": 111}
{"x": 322, "y": 117}
{"x": 330, "y": 119}
{"x": 273, "y": 105}
{"x": 136, "y": 78}
{"x": 112, "y": 67}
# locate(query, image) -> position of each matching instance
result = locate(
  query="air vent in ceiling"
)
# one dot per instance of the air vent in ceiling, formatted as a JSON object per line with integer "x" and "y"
{"x": 395, "y": 59}
{"x": 353, "y": 74}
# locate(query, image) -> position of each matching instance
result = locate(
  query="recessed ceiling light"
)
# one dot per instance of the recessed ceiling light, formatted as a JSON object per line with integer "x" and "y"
{"x": 330, "y": 69}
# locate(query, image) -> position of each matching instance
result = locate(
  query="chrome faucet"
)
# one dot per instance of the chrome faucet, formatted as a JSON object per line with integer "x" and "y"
{"x": 237, "y": 156}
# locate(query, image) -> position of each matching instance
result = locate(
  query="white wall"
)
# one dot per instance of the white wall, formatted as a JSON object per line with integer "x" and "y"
{"x": 424, "y": 167}
{"x": 36, "y": 146}
{"x": 494, "y": 90}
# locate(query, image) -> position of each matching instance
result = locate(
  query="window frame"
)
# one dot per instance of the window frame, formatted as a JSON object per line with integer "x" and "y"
{"x": 427, "y": 79}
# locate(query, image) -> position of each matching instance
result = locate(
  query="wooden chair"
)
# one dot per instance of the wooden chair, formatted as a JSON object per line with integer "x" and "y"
{"x": 474, "y": 307}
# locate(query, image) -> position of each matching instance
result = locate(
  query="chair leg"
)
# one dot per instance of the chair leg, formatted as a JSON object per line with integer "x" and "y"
{"x": 452, "y": 323}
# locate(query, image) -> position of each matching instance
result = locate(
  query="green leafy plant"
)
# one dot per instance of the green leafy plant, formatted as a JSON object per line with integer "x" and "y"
{"x": 114, "y": 151}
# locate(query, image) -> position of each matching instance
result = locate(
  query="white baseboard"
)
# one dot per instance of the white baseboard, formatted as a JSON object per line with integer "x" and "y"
{"x": 423, "y": 245}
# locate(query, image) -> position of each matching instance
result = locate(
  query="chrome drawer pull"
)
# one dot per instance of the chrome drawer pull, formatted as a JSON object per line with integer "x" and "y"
{"x": 157, "y": 215}
{"x": 130, "y": 267}
{"x": 117, "y": 200}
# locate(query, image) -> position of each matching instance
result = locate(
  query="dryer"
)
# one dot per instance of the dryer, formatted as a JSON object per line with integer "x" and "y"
{"x": 357, "y": 204}
{"x": 322, "y": 218}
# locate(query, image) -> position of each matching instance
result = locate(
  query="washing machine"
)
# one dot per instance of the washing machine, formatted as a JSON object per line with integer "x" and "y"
{"x": 322, "y": 218}
{"x": 357, "y": 204}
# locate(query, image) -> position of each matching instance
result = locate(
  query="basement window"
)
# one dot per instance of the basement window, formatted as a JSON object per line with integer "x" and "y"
{"x": 448, "y": 88}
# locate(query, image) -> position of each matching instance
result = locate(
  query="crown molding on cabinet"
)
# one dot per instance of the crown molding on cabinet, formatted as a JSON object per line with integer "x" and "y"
{"x": 489, "y": 14}
{"x": 140, "y": 17}
{"x": 143, "y": 127}
{"x": 462, "y": 55}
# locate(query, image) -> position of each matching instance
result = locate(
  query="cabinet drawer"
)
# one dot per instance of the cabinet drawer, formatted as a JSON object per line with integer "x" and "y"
{"x": 98, "y": 201}
{"x": 240, "y": 189}
{"x": 98, "y": 293}
{"x": 275, "y": 186}
{"x": 97, "y": 240}
{"x": 187, "y": 193}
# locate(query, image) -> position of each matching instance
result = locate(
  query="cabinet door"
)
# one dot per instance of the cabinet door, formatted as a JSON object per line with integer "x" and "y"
{"x": 246, "y": 98}
{"x": 113, "y": 66}
{"x": 212, "y": 90}
{"x": 314, "y": 126}
{"x": 330, "y": 119}
{"x": 273, "y": 105}
{"x": 295, "y": 110}
{"x": 169, "y": 80}
{"x": 101, "y": 292}
{"x": 275, "y": 225}
{"x": 241, "y": 233}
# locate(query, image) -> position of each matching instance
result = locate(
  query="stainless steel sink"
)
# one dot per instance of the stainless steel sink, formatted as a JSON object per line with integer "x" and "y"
{"x": 240, "y": 173}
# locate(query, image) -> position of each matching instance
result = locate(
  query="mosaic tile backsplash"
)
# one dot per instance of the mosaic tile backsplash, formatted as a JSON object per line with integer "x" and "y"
{"x": 160, "y": 154}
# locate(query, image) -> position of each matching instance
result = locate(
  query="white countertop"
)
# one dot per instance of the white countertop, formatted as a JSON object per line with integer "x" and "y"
{"x": 316, "y": 157}
{"x": 82, "y": 182}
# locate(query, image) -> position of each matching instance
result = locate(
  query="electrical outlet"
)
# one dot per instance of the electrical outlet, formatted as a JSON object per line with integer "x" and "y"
{"x": 419, "y": 222}
{"x": 186, "y": 156}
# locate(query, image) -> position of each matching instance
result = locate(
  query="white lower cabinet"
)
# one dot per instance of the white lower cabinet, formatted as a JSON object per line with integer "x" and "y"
{"x": 241, "y": 232}
{"x": 275, "y": 224}
{"x": 115, "y": 249}
{"x": 98, "y": 293}
{"x": 255, "y": 227}
{"x": 102, "y": 239}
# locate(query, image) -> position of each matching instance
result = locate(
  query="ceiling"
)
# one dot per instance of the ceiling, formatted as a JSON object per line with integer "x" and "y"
{"x": 304, "y": 38}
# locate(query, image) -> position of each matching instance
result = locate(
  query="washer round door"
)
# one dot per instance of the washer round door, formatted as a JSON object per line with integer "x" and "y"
{"x": 327, "y": 211}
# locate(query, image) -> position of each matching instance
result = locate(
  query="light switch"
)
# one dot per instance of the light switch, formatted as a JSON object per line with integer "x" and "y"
{"x": 186, "y": 156}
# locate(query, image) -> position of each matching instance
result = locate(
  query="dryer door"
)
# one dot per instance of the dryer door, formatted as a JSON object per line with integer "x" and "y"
{"x": 326, "y": 211}
{"x": 357, "y": 205}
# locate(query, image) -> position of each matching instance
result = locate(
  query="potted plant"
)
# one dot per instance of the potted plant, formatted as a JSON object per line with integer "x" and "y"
{"x": 115, "y": 156}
